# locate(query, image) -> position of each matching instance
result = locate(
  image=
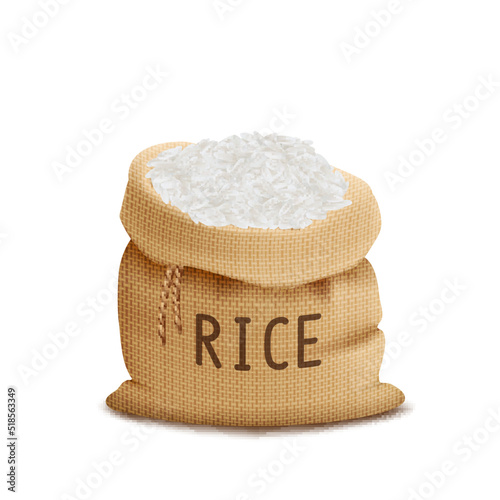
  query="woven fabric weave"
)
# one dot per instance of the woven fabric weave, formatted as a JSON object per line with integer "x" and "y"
{"x": 265, "y": 257}
{"x": 261, "y": 344}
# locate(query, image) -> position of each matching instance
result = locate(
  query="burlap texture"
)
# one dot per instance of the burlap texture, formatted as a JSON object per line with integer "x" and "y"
{"x": 284, "y": 378}
{"x": 264, "y": 257}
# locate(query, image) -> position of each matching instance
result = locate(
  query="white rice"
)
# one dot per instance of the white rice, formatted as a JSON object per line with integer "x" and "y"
{"x": 250, "y": 180}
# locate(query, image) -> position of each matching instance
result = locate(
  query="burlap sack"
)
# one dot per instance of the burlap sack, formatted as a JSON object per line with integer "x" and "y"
{"x": 229, "y": 326}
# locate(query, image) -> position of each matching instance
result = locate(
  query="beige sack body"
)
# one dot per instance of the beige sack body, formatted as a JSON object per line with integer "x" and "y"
{"x": 229, "y": 326}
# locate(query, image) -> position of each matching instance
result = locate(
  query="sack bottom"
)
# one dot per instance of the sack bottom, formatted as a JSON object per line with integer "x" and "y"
{"x": 137, "y": 399}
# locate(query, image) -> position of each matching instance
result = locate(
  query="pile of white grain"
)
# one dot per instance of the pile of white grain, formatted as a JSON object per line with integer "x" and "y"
{"x": 250, "y": 180}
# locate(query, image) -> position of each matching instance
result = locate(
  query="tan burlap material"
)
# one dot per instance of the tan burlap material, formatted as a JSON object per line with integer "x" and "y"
{"x": 233, "y": 326}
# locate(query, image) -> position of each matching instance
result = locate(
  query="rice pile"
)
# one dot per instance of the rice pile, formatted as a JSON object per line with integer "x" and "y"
{"x": 250, "y": 180}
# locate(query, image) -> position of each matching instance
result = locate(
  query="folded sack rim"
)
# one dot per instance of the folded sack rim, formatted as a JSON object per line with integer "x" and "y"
{"x": 264, "y": 257}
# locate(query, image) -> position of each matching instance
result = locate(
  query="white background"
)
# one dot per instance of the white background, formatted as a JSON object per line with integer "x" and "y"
{"x": 231, "y": 71}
